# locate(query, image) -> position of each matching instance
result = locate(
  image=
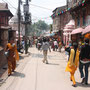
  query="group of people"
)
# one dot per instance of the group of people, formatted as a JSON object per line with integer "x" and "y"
{"x": 57, "y": 45}
{"x": 21, "y": 48}
{"x": 45, "y": 44}
{"x": 79, "y": 58}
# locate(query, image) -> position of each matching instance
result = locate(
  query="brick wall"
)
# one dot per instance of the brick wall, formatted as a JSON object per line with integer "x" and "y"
{"x": 81, "y": 13}
{"x": 3, "y": 60}
{"x": 4, "y": 39}
{"x": 59, "y": 22}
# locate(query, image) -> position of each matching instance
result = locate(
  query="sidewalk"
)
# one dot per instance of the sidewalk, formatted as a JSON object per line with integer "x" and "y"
{"x": 4, "y": 70}
{"x": 3, "y": 74}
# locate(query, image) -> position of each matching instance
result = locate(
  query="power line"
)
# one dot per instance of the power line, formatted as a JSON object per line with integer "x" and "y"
{"x": 10, "y": 4}
{"x": 37, "y": 18}
{"x": 41, "y": 17}
{"x": 41, "y": 7}
{"x": 22, "y": 12}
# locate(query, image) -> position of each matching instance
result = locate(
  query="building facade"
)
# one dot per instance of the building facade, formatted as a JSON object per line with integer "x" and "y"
{"x": 80, "y": 11}
{"x": 60, "y": 19}
{"x": 5, "y": 15}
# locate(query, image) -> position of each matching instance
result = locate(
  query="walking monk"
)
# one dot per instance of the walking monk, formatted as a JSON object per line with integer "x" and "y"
{"x": 73, "y": 62}
{"x": 12, "y": 56}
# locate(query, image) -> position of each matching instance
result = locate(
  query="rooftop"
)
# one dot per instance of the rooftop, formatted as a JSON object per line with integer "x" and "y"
{"x": 4, "y": 8}
{"x": 58, "y": 9}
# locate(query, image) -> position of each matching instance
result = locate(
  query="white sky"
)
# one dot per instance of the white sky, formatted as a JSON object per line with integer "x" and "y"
{"x": 38, "y": 13}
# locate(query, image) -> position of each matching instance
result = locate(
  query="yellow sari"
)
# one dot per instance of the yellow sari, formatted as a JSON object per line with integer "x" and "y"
{"x": 72, "y": 65}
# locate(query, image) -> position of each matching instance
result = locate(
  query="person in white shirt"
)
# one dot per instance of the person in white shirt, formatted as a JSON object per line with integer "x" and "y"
{"x": 56, "y": 45}
{"x": 45, "y": 47}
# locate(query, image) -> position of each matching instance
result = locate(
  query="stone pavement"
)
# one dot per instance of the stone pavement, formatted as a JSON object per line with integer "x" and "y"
{"x": 32, "y": 74}
{"x": 3, "y": 74}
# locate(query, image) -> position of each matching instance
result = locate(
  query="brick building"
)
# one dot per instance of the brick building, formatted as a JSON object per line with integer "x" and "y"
{"x": 80, "y": 11}
{"x": 5, "y": 15}
{"x": 60, "y": 19}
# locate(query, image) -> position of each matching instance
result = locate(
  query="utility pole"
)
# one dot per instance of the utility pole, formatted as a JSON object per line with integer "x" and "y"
{"x": 19, "y": 19}
{"x": 67, "y": 4}
{"x": 26, "y": 13}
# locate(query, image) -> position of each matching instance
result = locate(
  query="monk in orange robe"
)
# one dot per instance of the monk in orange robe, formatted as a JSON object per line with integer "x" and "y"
{"x": 12, "y": 56}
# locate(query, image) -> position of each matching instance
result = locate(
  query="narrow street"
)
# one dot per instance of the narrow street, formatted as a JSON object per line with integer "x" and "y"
{"x": 32, "y": 74}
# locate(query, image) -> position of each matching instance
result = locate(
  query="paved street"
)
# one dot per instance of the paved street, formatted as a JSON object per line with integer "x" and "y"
{"x": 32, "y": 74}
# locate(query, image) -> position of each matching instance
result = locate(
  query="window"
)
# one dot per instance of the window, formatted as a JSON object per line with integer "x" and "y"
{"x": 84, "y": 19}
{"x": 2, "y": 20}
{"x": 0, "y": 37}
{"x": 75, "y": 1}
{"x": 88, "y": 20}
{"x": 78, "y": 20}
{"x": 69, "y": 1}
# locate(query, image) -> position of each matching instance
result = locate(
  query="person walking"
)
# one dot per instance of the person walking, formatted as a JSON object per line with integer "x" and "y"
{"x": 56, "y": 45}
{"x": 60, "y": 46}
{"x": 45, "y": 47}
{"x": 73, "y": 62}
{"x": 84, "y": 61}
{"x": 12, "y": 56}
{"x": 53, "y": 47}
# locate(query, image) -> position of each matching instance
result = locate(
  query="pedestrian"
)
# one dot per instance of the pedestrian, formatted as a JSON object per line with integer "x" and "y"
{"x": 39, "y": 44}
{"x": 22, "y": 46}
{"x": 45, "y": 47}
{"x": 53, "y": 47}
{"x": 60, "y": 46}
{"x": 84, "y": 61}
{"x": 12, "y": 56}
{"x": 73, "y": 62}
{"x": 56, "y": 45}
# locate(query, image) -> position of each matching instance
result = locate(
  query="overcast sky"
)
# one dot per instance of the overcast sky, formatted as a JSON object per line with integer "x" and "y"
{"x": 38, "y": 13}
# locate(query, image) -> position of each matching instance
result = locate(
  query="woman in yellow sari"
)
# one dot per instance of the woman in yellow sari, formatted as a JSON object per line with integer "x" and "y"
{"x": 73, "y": 62}
{"x": 12, "y": 56}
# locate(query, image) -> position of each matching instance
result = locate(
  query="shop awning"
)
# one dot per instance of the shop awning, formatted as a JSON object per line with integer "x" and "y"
{"x": 55, "y": 31}
{"x": 50, "y": 34}
{"x": 86, "y": 30}
{"x": 77, "y": 31}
